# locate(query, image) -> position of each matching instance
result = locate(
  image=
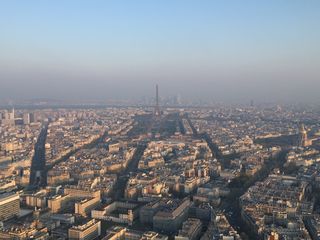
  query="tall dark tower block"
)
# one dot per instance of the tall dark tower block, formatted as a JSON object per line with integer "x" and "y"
{"x": 157, "y": 111}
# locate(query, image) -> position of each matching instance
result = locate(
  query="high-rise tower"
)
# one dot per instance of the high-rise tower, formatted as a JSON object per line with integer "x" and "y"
{"x": 157, "y": 111}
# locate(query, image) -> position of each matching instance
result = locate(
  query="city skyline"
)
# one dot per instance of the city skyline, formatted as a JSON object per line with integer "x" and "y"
{"x": 209, "y": 51}
{"x": 159, "y": 120}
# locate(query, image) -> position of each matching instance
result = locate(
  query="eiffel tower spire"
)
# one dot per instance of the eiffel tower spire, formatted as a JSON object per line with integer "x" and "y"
{"x": 157, "y": 111}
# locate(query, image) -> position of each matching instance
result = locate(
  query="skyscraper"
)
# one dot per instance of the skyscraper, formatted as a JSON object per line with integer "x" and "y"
{"x": 26, "y": 118}
{"x": 9, "y": 118}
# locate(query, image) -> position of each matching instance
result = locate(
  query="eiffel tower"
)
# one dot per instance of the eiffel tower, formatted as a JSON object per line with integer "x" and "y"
{"x": 157, "y": 111}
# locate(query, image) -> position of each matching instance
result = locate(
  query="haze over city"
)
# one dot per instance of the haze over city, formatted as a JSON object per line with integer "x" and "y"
{"x": 159, "y": 120}
{"x": 229, "y": 51}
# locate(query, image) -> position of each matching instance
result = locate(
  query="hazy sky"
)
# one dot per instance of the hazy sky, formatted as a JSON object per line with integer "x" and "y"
{"x": 221, "y": 50}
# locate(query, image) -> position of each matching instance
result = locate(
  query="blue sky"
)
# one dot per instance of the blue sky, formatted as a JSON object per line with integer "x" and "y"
{"x": 223, "y": 50}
